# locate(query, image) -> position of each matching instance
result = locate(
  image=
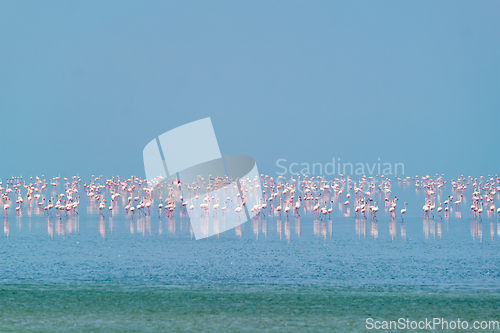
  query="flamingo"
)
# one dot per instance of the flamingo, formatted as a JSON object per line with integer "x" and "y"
{"x": 315, "y": 208}
{"x": 263, "y": 206}
{"x": 425, "y": 208}
{"x": 216, "y": 206}
{"x": 50, "y": 205}
{"x": 432, "y": 206}
{"x": 324, "y": 210}
{"x": 403, "y": 211}
{"x": 392, "y": 211}
{"x": 457, "y": 203}
{"x": 238, "y": 210}
{"x": 40, "y": 204}
{"x": 297, "y": 206}
{"x": 102, "y": 205}
{"x": 480, "y": 210}
{"x": 75, "y": 205}
{"x": 375, "y": 208}
{"x": 287, "y": 208}
{"x": 160, "y": 206}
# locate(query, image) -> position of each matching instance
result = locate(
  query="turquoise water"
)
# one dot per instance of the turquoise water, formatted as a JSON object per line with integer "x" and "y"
{"x": 113, "y": 273}
{"x": 230, "y": 308}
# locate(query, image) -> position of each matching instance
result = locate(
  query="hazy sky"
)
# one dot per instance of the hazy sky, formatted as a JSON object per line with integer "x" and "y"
{"x": 85, "y": 85}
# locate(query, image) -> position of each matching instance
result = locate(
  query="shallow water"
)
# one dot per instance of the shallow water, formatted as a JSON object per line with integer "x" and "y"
{"x": 229, "y": 308}
{"x": 90, "y": 272}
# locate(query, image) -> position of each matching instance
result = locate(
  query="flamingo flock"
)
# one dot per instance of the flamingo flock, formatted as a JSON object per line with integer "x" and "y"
{"x": 264, "y": 195}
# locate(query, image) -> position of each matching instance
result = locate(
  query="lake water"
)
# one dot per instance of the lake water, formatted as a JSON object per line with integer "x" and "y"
{"x": 114, "y": 273}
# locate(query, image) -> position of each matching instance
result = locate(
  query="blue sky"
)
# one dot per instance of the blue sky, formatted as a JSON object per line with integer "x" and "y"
{"x": 85, "y": 85}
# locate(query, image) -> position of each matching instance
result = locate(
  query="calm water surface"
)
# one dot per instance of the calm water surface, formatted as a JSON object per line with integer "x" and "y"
{"x": 96, "y": 273}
